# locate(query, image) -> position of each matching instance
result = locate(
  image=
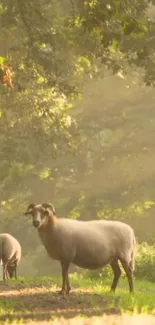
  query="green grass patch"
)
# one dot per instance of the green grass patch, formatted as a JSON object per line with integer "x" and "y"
{"x": 36, "y": 299}
{"x": 143, "y": 300}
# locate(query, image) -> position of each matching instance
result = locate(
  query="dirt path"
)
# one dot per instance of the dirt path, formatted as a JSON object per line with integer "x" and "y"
{"x": 33, "y": 302}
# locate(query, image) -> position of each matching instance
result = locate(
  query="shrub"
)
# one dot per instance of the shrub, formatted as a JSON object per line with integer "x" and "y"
{"x": 145, "y": 262}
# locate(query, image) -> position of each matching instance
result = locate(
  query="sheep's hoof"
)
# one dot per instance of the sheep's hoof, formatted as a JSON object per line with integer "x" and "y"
{"x": 68, "y": 290}
{"x": 62, "y": 292}
{"x": 5, "y": 282}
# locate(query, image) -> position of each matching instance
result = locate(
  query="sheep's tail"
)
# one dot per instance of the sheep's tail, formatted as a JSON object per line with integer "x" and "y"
{"x": 132, "y": 262}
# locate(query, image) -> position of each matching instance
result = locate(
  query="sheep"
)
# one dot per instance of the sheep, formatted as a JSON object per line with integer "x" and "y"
{"x": 10, "y": 255}
{"x": 87, "y": 244}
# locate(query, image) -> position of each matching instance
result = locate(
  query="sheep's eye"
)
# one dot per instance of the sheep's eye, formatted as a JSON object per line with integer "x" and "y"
{"x": 42, "y": 214}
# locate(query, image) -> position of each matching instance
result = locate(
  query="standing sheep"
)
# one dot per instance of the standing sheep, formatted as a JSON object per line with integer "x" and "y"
{"x": 87, "y": 244}
{"x": 10, "y": 255}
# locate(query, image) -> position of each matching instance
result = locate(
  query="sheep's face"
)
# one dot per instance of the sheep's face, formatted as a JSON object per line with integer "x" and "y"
{"x": 11, "y": 270}
{"x": 40, "y": 214}
{"x": 40, "y": 217}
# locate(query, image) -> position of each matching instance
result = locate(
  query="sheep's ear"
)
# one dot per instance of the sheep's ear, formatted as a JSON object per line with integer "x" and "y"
{"x": 29, "y": 209}
{"x": 48, "y": 207}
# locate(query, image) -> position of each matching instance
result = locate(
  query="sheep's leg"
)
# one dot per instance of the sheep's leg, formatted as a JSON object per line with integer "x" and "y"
{"x": 3, "y": 272}
{"x": 5, "y": 277}
{"x": 117, "y": 273}
{"x": 68, "y": 284}
{"x": 129, "y": 274}
{"x": 65, "y": 280}
{"x": 15, "y": 270}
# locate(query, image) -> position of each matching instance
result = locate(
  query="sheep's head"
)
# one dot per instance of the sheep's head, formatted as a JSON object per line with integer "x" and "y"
{"x": 11, "y": 270}
{"x": 40, "y": 213}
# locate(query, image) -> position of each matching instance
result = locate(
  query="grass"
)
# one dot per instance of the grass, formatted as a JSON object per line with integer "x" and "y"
{"x": 142, "y": 301}
{"x": 36, "y": 300}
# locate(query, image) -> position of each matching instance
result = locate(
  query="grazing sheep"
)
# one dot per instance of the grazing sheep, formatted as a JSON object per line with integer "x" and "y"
{"x": 10, "y": 255}
{"x": 87, "y": 244}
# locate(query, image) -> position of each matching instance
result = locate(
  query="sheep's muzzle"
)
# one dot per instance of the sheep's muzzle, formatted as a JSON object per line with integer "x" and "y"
{"x": 36, "y": 223}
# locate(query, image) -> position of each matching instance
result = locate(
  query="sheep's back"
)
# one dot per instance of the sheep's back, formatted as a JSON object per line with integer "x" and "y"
{"x": 9, "y": 247}
{"x": 110, "y": 231}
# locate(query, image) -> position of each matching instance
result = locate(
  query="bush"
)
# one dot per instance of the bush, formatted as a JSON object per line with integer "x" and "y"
{"x": 145, "y": 262}
{"x": 144, "y": 265}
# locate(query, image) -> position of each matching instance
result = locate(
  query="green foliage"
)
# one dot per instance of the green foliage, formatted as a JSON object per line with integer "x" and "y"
{"x": 145, "y": 262}
{"x": 1, "y": 60}
{"x": 78, "y": 210}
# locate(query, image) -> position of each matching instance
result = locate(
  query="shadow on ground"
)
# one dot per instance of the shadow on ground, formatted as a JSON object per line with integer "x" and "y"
{"x": 42, "y": 302}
